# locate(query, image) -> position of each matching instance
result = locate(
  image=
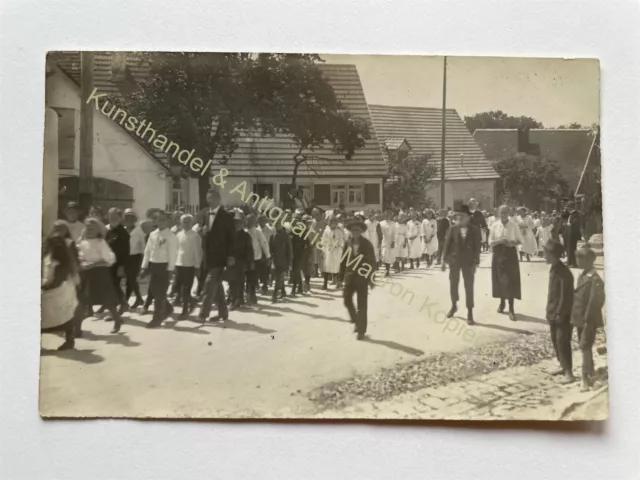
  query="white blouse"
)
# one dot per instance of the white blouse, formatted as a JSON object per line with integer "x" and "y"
{"x": 95, "y": 250}
{"x": 510, "y": 231}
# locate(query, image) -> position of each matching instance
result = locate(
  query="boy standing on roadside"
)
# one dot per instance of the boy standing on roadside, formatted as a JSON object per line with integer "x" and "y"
{"x": 559, "y": 304}
{"x": 586, "y": 315}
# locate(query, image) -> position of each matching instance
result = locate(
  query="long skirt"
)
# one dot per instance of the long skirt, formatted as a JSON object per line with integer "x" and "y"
{"x": 430, "y": 247}
{"x": 415, "y": 248}
{"x": 529, "y": 246}
{"x": 58, "y": 305}
{"x": 387, "y": 253}
{"x": 505, "y": 272}
{"x": 97, "y": 287}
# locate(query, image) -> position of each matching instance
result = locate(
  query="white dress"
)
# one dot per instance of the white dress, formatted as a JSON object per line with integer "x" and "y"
{"x": 430, "y": 237}
{"x": 58, "y": 304}
{"x": 402, "y": 247}
{"x": 415, "y": 246}
{"x": 371, "y": 234}
{"x": 544, "y": 235}
{"x": 388, "y": 238}
{"x": 528, "y": 246}
{"x": 332, "y": 244}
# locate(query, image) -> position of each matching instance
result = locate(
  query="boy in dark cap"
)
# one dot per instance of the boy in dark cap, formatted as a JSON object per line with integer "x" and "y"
{"x": 282, "y": 257}
{"x": 461, "y": 250}
{"x": 357, "y": 275}
{"x": 243, "y": 255}
{"x": 586, "y": 314}
{"x": 559, "y": 304}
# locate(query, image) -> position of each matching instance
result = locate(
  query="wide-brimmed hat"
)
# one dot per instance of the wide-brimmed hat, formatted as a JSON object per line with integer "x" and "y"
{"x": 356, "y": 222}
{"x": 464, "y": 209}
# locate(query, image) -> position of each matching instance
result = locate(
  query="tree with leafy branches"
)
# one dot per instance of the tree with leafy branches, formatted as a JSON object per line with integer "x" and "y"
{"x": 207, "y": 100}
{"x": 408, "y": 177}
{"x": 499, "y": 119}
{"x": 529, "y": 179}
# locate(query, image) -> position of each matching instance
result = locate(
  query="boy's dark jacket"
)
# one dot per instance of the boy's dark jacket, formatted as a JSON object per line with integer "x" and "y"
{"x": 560, "y": 295}
{"x": 243, "y": 249}
{"x": 588, "y": 300}
{"x": 118, "y": 240}
{"x": 280, "y": 248}
{"x": 365, "y": 249}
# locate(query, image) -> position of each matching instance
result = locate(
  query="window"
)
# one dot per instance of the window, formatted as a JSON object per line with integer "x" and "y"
{"x": 178, "y": 196}
{"x": 355, "y": 195}
{"x": 338, "y": 195}
{"x": 66, "y": 138}
{"x": 347, "y": 194}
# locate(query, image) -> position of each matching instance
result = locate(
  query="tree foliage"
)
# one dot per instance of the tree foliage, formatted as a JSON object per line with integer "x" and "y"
{"x": 528, "y": 179}
{"x": 408, "y": 178}
{"x": 499, "y": 119}
{"x": 206, "y": 100}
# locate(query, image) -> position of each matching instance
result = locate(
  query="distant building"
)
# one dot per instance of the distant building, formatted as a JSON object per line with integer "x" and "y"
{"x": 418, "y": 130}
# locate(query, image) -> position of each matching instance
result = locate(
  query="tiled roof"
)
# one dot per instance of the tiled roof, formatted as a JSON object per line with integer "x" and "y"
{"x": 422, "y": 127}
{"x": 394, "y": 143}
{"x": 273, "y": 156}
{"x": 497, "y": 143}
{"x": 257, "y": 155}
{"x": 570, "y": 148}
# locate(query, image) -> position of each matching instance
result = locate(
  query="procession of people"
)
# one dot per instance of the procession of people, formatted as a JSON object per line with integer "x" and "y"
{"x": 235, "y": 254}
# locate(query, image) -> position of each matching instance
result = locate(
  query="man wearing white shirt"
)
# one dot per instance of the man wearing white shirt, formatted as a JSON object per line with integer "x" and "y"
{"x": 159, "y": 261}
{"x": 261, "y": 256}
{"x": 137, "y": 245}
{"x": 187, "y": 264}
{"x": 264, "y": 269}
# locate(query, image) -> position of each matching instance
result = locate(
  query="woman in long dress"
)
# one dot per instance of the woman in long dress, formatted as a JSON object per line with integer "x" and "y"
{"x": 402, "y": 243}
{"x": 413, "y": 237}
{"x": 429, "y": 236}
{"x": 332, "y": 244}
{"x": 504, "y": 239}
{"x": 525, "y": 222}
{"x": 58, "y": 291}
{"x": 387, "y": 249}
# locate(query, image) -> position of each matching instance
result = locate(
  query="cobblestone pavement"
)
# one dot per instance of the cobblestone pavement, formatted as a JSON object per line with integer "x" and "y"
{"x": 520, "y": 393}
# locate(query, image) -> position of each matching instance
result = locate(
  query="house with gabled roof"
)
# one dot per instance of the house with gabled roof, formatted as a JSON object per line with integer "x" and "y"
{"x": 128, "y": 173}
{"x": 265, "y": 164}
{"x": 468, "y": 173}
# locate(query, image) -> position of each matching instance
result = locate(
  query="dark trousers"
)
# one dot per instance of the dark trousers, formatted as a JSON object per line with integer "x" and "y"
{"x": 571, "y": 252}
{"x": 468, "y": 275}
{"x": 116, "y": 283}
{"x": 586, "y": 339}
{"x": 252, "y": 278}
{"x": 184, "y": 282}
{"x": 132, "y": 271}
{"x": 354, "y": 283}
{"x": 263, "y": 269}
{"x": 237, "y": 280}
{"x": 278, "y": 275}
{"x": 214, "y": 293}
{"x": 158, "y": 285}
{"x": 440, "y": 248}
{"x": 561, "y": 339}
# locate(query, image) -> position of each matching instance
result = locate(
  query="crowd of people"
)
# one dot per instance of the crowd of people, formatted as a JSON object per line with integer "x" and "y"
{"x": 86, "y": 262}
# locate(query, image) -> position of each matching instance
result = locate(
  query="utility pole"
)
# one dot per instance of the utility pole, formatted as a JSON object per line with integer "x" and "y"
{"x": 444, "y": 131}
{"x": 85, "y": 170}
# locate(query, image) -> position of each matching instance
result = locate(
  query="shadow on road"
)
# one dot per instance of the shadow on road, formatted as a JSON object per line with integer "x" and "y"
{"x": 502, "y": 328}
{"x": 84, "y": 356}
{"x": 281, "y": 308}
{"x": 527, "y": 318}
{"x": 242, "y": 327}
{"x": 395, "y": 346}
{"x": 112, "y": 339}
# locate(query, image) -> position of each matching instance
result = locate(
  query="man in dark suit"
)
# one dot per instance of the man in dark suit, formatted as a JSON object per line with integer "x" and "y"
{"x": 461, "y": 249}
{"x": 218, "y": 232}
{"x": 571, "y": 232}
{"x": 478, "y": 221}
{"x": 358, "y": 275}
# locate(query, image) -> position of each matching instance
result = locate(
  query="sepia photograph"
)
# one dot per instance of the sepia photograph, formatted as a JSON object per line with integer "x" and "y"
{"x": 322, "y": 236}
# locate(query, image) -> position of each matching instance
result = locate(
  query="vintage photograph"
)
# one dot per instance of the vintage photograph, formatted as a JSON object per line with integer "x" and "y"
{"x": 311, "y": 236}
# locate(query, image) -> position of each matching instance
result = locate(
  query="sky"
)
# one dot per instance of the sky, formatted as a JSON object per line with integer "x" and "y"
{"x": 553, "y": 91}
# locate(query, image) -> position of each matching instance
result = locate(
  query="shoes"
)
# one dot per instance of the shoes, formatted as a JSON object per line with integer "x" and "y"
{"x": 219, "y": 318}
{"x": 555, "y": 373}
{"x": 501, "y": 308}
{"x": 568, "y": 378}
{"x": 512, "y": 316}
{"x": 360, "y": 336}
{"x": 183, "y": 316}
{"x": 452, "y": 312}
{"x": 137, "y": 304}
{"x": 154, "y": 324}
{"x": 470, "y": 320}
{"x": 67, "y": 345}
{"x": 116, "y": 327}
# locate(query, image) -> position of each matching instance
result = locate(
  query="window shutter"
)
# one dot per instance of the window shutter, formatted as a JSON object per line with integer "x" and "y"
{"x": 322, "y": 194}
{"x": 372, "y": 193}
{"x": 285, "y": 200}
